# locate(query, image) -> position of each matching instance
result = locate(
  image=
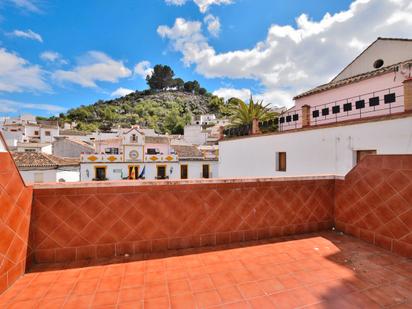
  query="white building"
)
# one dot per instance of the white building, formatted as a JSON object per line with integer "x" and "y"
{"x": 46, "y": 148}
{"x": 137, "y": 156}
{"x": 38, "y": 167}
{"x": 333, "y": 126}
{"x": 71, "y": 147}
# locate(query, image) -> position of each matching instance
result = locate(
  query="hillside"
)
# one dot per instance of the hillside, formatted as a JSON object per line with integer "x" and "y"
{"x": 164, "y": 111}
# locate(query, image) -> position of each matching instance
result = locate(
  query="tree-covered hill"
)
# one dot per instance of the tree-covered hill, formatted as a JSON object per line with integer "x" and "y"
{"x": 167, "y": 106}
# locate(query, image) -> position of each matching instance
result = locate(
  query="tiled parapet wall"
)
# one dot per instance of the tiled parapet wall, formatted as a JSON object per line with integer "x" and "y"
{"x": 96, "y": 220}
{"x": 15, "y": 207}
{"x": 374, "y": 202}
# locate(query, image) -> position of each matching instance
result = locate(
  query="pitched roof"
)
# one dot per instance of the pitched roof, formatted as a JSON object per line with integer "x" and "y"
{"x": 157, "y": 139}
{"x": 187, "y": 152}
{"x": 353, "y": 79}
{"x": 73, "y": 132}
{"x": 39, "y": 159}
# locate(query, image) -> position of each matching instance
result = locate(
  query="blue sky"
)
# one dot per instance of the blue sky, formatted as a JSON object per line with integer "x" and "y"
{"x": 55, "y": 55}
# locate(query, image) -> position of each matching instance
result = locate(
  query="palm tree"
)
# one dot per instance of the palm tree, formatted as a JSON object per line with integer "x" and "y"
{"x": 244, "y": 114}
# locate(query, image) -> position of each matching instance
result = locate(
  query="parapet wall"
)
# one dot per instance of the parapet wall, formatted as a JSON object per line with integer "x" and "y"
{"x": 15, "y": 207}
{"x": 98, "y": 220}
{"x": 374, "y": 202}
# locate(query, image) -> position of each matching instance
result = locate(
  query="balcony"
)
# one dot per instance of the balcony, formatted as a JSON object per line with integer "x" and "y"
{"x": 292, "y": 242}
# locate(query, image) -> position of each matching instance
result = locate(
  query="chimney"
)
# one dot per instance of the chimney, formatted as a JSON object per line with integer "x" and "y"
{"x": 407, "y": 94}
{"x": 305, "y": 116}
{"x": 221, "y": 134}
{"x": 255, "y": 127}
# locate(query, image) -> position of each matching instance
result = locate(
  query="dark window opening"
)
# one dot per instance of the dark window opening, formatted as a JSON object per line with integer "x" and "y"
{"x": 374, "y": 101}
{"x": 360, "y": 104}
{"x": 205, "y": 171}
{"x": 378, "y": 63}
{"x": 281, "y": 162}
{"x": 100, "y": 173}
{"x": 390, "y": 98}
{"x": 315, "y": 114}
{"x": 151, "y": 151}
{"x": 134, "y": 172}
{"x": 183, "y": 171}
{"x": 336, "y": 109}
{"x": 161, "y": 172}
{"x": 295, "y": 117}
{"x": 347, "y": 107}
{"x": 288, "y": 118}
{"x": 282, "y": 120}
{"x": 325, "y": 111}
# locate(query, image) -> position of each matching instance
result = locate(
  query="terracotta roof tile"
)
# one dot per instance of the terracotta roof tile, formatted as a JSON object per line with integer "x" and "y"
{"x": 39, "y": 159}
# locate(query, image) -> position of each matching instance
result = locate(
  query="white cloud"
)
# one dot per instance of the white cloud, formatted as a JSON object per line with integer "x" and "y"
{"x": 94, "y": 67}
{"x": 213, "y": 25}
{"x": 143, "y": 69}
{"x": 28, "y": 34}
{"x": 294, "y": 58}
{"x": 227, "y": 93}
{"x": 51, "y": 56}
{"x": 121, "y": 92}
{"x": 10, "y": 106}
{"x": 17, "y": 74}
{"x": 202, "y": 4}
{"x": 28, "y": 5}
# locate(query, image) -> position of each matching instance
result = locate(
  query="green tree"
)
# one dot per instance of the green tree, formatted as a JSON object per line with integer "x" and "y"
{"x": 202, "y": 91}
{"x": 162, "y": 77}
{"x": 179, "y": 83}
{"x": 192, "y": 86}
{"x": 245, "y": 113}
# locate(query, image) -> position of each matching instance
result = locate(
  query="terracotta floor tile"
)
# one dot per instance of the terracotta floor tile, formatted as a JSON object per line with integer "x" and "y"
{"x": 229, "y": 294}
{"x": 105, "y": 298}
{"x": 284, "y": 300}
{"x": 131, "y": 295}
{"x": 183, "y": 301}
{"x": 109, "y": 284}
{"x": 155, "y": 291}
{"x": 207, "y": 299}
{"x": 201, "y": 284}
{"x": 237, "y": 305}
{"x": 180, "y": 286}
{"x": 157, "y": 303}
{"x": 76, "y": 302}
{"x": 155, "y": 277}
{"x": 222, "y": 279}
{"x": 250, "y": 290}
{"x": 59, "y": 290}
{"x": 262, "y": 302}
{"x": 51, "y": 303}
{"x": 131, "y": 305}
{"x": 133, "y": 280}
{"x": 271, "y": 286}
{"x": 25, "y": 304}
{"x": 84, "y": 287}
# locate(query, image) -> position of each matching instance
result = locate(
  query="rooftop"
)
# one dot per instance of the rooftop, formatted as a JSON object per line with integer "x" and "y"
{"x": 324, "y": 270}
{"x": 40, "y": 159}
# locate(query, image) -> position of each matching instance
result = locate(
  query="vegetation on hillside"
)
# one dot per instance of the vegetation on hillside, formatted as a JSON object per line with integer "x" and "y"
{"x": 167, "y": 106}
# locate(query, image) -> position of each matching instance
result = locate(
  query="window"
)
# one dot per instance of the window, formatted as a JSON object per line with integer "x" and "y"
{"x": 335, "y": 109}
{"x": 161, "y": 172}
{"x": 374, "y": 101}
{"x": 100, "y": 173}
{"x": 47, "y": 133}
{"x": 315, "y": 114}
{"x": 29, "y": 150}
{"x": 282, "y": 119}
{"x": 325, "y": 111}
{"x": 288, "y": 118}
{"x": 281, "y": 161}
{"x": 183, "y": 171}
{"x": 133, "y": 138}
{"x": 151, "y": 151}
{"x": 295, "y": 117}
{"x": 111, "y": 150}
{"x": 360, "y": 104}
{"x": 347, "y": 107}
{"x": 133, "y": 171}
{"x": 38, "y": 177}
{"x": 360, "y": 154}
{"x": 36, "y": 133}
{"x": 205, "y": 171}
{"x": 390, "y": 98}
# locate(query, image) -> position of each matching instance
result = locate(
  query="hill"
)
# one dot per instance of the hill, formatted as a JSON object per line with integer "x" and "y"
{"x": 164, "y": 111}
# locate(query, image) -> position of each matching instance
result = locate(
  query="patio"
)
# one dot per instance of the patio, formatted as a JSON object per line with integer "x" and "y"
{"x": 320, "y": 270}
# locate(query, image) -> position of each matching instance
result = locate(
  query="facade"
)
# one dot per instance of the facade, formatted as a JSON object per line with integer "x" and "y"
{"x": 70, "y": 148}
{"x": 35, "y": 147}
{"x": 37, "y": 167}
{"x": 134, "y": 155}
{"x": 333, "y": 126}
{"x": 359, "y": 91}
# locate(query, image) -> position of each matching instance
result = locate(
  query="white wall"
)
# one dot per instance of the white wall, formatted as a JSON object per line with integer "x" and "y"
{"x": 52, "y": 175}
{"x": 195, "y": 168}
{"x": 313, "y": 152}
{"x": 69, "y": 175}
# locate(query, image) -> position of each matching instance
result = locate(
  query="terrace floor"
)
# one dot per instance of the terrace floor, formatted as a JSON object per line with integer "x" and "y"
{"x": 322, "y": 270}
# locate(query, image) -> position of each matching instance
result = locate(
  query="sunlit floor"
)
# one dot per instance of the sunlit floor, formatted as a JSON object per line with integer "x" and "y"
{"x": 324, "y": 270}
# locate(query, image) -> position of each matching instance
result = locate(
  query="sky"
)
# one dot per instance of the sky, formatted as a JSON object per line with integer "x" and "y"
{"x": 56, "y": 55}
